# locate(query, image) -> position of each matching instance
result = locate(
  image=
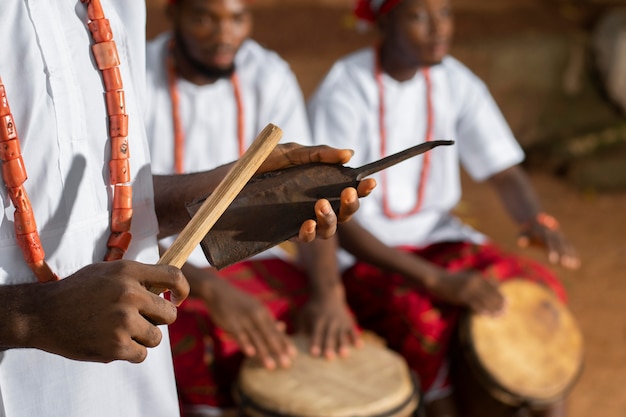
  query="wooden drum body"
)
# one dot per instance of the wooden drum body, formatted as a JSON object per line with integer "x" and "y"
{"x": 530, "y": 356}
{"x": 372, "y": 382}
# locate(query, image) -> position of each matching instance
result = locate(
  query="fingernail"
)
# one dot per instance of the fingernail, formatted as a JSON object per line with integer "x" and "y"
{"x": 269, "y": 364}
{"x": 326, "y": 209}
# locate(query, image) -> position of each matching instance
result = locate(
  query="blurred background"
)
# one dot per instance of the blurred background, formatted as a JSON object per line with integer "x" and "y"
{"x": 557, "y": 69}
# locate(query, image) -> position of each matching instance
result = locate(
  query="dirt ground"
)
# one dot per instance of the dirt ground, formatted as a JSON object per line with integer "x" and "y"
{"x": 311, "y": 38}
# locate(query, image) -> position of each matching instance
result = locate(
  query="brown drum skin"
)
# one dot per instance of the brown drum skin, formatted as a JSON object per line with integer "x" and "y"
{"x": 372, "y": 382}
{"x": 530, "y": 357}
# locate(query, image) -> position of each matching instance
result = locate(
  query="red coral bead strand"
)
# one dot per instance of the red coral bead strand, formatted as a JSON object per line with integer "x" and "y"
{"x": 107, "y": 59}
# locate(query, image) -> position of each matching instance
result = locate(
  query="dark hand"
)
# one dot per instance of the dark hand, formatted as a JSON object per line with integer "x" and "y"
{"x": 330, "y": 325}
{"x": 469, "y": 290}
{"x": 291, "y": 154}
{"x": 104, "y": 312}
{"x": 251, "y": 324}
{"x": 548, "y": 235}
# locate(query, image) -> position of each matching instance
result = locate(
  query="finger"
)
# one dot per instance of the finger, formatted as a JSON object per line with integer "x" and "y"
{"x": 343, "y": 346}
{"x": 281, "y": 327}
{"x": 261, "y": 349}
{"x": 169, "y": 278}
{"x": 553, "y": 247}
{"x": 570, "y": 262}
{"x": 568, "y": 256}
{"x": 330, "y": 342}
{"x": 356, "y": 338}
{"x": 349, "y": 204}
{"x": 243, "y": 340}
{"x": 275, "y": 342}
{"x": 294, "y": 154}
{"x": 307, "y": 231}
{"x": 146, "y": 334}
{"x": 154, "y": 308}
{"x": 326, "y": 219}
{"x": 316, "y": 339}
{"x": 523, "y": 241}
{"x": 327, "y": 154}
{"x": 134, "y": 352}
{"x": 365, "y": 187}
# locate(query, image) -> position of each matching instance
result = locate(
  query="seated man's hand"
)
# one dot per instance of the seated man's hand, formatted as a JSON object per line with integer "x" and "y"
{"x": 291, "y": 154}
{"x": 468, "y": 289}
{"x": 330, "y": 325}
{"x": 250, "y": 323}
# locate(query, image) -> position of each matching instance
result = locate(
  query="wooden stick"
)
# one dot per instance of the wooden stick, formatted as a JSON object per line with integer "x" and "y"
{"x": 219, "y": 200}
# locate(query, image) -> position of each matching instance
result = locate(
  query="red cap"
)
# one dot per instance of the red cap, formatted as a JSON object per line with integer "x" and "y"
{"x": 370, "y": 10}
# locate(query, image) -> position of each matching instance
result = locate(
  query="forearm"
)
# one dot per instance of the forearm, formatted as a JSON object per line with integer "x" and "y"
{"x": 201, "y": 281}
{"x": 366, "y": 247}
{"x": 172, "y": 192}
{"x": 517, "y": 194}
{"x": 320, "y": 261}
{"x": 16, "y": 319}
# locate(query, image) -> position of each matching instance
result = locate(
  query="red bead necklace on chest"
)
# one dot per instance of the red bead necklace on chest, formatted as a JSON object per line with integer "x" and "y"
{"x": 383, "y": 140}
{"x": 179, "y": 134}
{"x": 14, "y": 173}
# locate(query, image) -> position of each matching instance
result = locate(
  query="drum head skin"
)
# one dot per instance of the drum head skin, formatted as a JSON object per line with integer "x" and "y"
{"x": 372, "y": 381}
{"x": 534, "y": 352}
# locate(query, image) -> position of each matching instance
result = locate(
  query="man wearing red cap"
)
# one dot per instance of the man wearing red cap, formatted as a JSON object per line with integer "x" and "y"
{"x": 211, "y": 90}
{"x": 410, "y": 263}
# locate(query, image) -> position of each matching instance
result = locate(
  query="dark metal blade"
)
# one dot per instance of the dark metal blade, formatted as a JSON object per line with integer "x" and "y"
{"x": 386, "y": 162}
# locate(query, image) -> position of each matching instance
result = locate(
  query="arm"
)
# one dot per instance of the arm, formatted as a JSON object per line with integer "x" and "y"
{"x": 326, "y": 317}
{"x": 520, "y": 201}
{"x": 172, "y": 192}
{"x": 463, "y": 288}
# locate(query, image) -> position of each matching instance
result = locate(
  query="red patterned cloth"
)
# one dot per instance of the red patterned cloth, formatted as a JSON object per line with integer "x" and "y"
{"x": 206, "y": 359}
{"x": 410, "y": 321}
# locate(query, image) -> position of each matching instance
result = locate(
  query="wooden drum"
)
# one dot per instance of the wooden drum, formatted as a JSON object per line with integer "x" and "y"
{"x": 530, "y": 356}
{"x": 372, "y": 382}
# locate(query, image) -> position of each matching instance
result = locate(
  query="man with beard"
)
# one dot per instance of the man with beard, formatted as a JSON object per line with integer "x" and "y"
{"x": 411, "y": 262}
{"x": 211, "y": 89}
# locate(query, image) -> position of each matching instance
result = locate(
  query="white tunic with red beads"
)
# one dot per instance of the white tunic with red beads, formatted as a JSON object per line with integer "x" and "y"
{"x": 56, "y": 97}
{"x": 270, "y": 94}
{"x": 344, "y": 112}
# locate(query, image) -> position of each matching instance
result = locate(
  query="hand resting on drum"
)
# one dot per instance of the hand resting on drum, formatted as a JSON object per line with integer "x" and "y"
{"x": 243, "y": 317}
{"x": 330, "y": 325}
{"x": 467, "y": 289}
{"x": 325, "y": 318}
